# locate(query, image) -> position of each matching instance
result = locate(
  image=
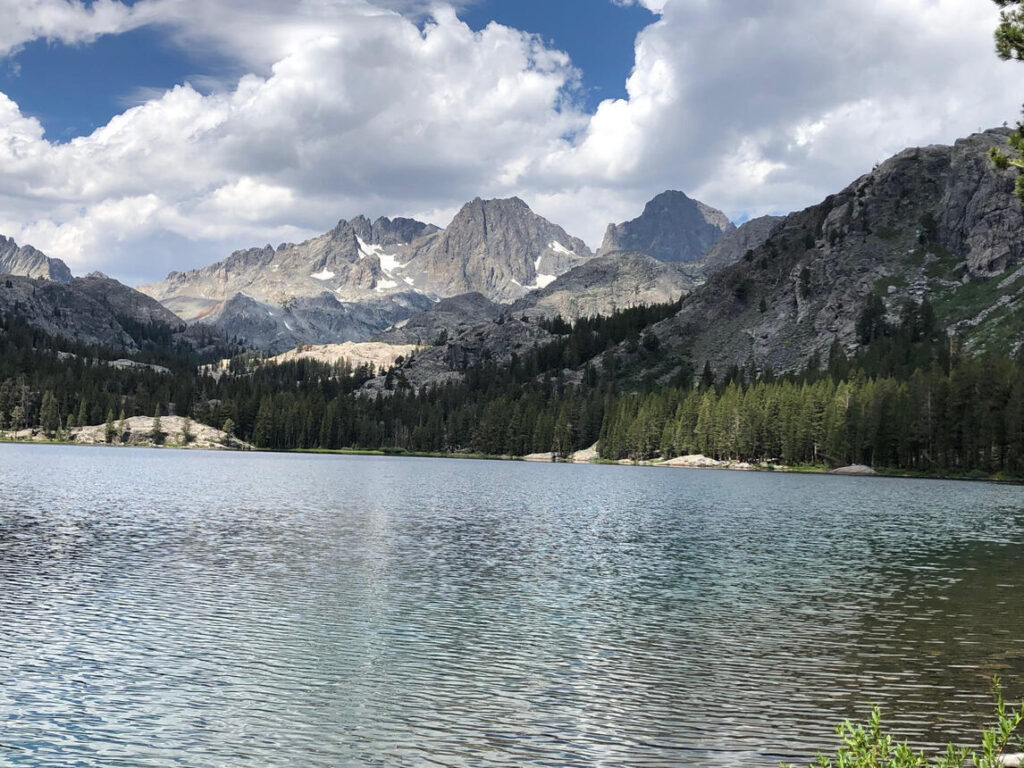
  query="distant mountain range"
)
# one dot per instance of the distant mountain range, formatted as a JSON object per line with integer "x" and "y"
{"x": 938, "y": 222}
{"x": 366, "y": 279}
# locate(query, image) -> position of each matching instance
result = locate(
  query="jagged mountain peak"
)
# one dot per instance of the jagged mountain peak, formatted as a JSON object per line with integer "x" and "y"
{"x": 499, "y": 247}
{"x": 673, "y": 227}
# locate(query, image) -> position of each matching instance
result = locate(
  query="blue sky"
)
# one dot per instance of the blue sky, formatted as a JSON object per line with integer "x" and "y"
{"x": 599, "y": 36}
{"x": 299, "y": 113}
{"x": 74, "y": 89}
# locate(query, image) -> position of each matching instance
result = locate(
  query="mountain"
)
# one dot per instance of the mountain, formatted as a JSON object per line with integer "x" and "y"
{"x": 672, "y": 228}
{"x": 341, "y": 262}
{"x": 363, "y": 277}
{"x": 499, "y": 248}
{"x": 26, "y": 261}
{"x": 599, "y": 286}
{"x": 940, "y": 222}
{"x": 937, "y": 222}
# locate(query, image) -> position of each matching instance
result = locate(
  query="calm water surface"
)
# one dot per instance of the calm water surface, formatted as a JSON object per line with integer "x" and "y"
{"x": 163, "y": 608}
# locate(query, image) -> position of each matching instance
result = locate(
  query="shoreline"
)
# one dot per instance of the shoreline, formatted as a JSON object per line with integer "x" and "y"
{"x": 800, "y": 469}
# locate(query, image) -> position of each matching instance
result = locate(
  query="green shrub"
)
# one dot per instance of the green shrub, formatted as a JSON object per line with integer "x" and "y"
{"x": 869, "y": 747}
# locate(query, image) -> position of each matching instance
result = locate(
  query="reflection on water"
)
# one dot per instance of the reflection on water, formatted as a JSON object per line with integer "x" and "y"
{"x": 166, "y": 608}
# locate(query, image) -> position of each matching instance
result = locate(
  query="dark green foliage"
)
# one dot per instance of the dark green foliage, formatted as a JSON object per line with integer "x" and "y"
{"x": 870, "y": 747}
{"x": 49, "y": 415}
{"x": 110, "y": 432}
{"x": 1010, "y": 46}
{"x": 871, "y": 322}
{"x": 1010, "y": 32}
{"x": 156, "y": 433}
{"x": 906, "y": 400}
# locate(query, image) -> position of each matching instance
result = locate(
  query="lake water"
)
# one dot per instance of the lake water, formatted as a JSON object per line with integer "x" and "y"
{"x": 170, "y": 608}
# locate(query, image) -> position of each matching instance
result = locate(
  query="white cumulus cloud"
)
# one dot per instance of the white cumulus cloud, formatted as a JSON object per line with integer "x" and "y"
{"x": 352, "y": 107}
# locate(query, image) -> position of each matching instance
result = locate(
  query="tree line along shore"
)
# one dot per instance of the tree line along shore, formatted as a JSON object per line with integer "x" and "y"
{"x": 909, "y": 401}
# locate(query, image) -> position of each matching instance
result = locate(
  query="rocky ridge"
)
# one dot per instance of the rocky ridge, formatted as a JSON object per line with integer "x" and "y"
{"x": 26, "y": 261}
{"x": 364, "y": 277}
{"x": 94, "y": 310}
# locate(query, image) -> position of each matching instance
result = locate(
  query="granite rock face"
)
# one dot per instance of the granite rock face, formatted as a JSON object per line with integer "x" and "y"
{"x": 673, "y": 228}
{"x": 26, "y": 261}
{"x": 499, "y": 248}
{"x": 390, "y": 232}
{"x": 125, "y": 302}
{"x": 448, "y": 361}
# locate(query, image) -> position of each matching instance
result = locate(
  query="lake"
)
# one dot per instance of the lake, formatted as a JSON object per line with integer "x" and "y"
{"x": 174, "y": 608}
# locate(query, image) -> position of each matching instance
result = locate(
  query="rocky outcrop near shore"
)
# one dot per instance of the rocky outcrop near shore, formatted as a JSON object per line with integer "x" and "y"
{"x": 854, "y": 470}
{"x": 699, "y": 461}
{"x": 175, "y": 432}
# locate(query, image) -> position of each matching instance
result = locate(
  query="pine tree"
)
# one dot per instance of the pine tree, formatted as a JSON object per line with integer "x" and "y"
{"x": 156, "y": 434}
{"x": 110, "y": 430}
{"x": 49, "y": 416}
{"x": 1010, "y": 47}
{"x": 263, "y": 431}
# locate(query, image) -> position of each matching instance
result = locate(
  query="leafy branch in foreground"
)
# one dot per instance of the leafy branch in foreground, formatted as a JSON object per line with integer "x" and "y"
{"x": 869, "y": 747}
{"x": 1010, "y": 46}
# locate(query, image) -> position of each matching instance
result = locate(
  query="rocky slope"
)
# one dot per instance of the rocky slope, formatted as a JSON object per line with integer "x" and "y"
{"x": 672, "y": 228}
{"x": 937, "y": 221}
{"x": 372, "y": 353}
{"x": 320, "y": 319}
{"x": 445, "y": 320}
{"x": 599, "y": 286}
{"x": 26, "y": 261}
{"x": 734, "y": 245}
{"x": 94, "y": 310}
{"x": 497, "y": 342}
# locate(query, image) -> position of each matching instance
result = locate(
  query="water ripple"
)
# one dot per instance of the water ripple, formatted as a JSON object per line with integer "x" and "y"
{"x": 174, "y": 609}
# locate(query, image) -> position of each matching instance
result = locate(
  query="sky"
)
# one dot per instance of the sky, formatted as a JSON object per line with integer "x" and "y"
{"x": 147, "y": 136}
